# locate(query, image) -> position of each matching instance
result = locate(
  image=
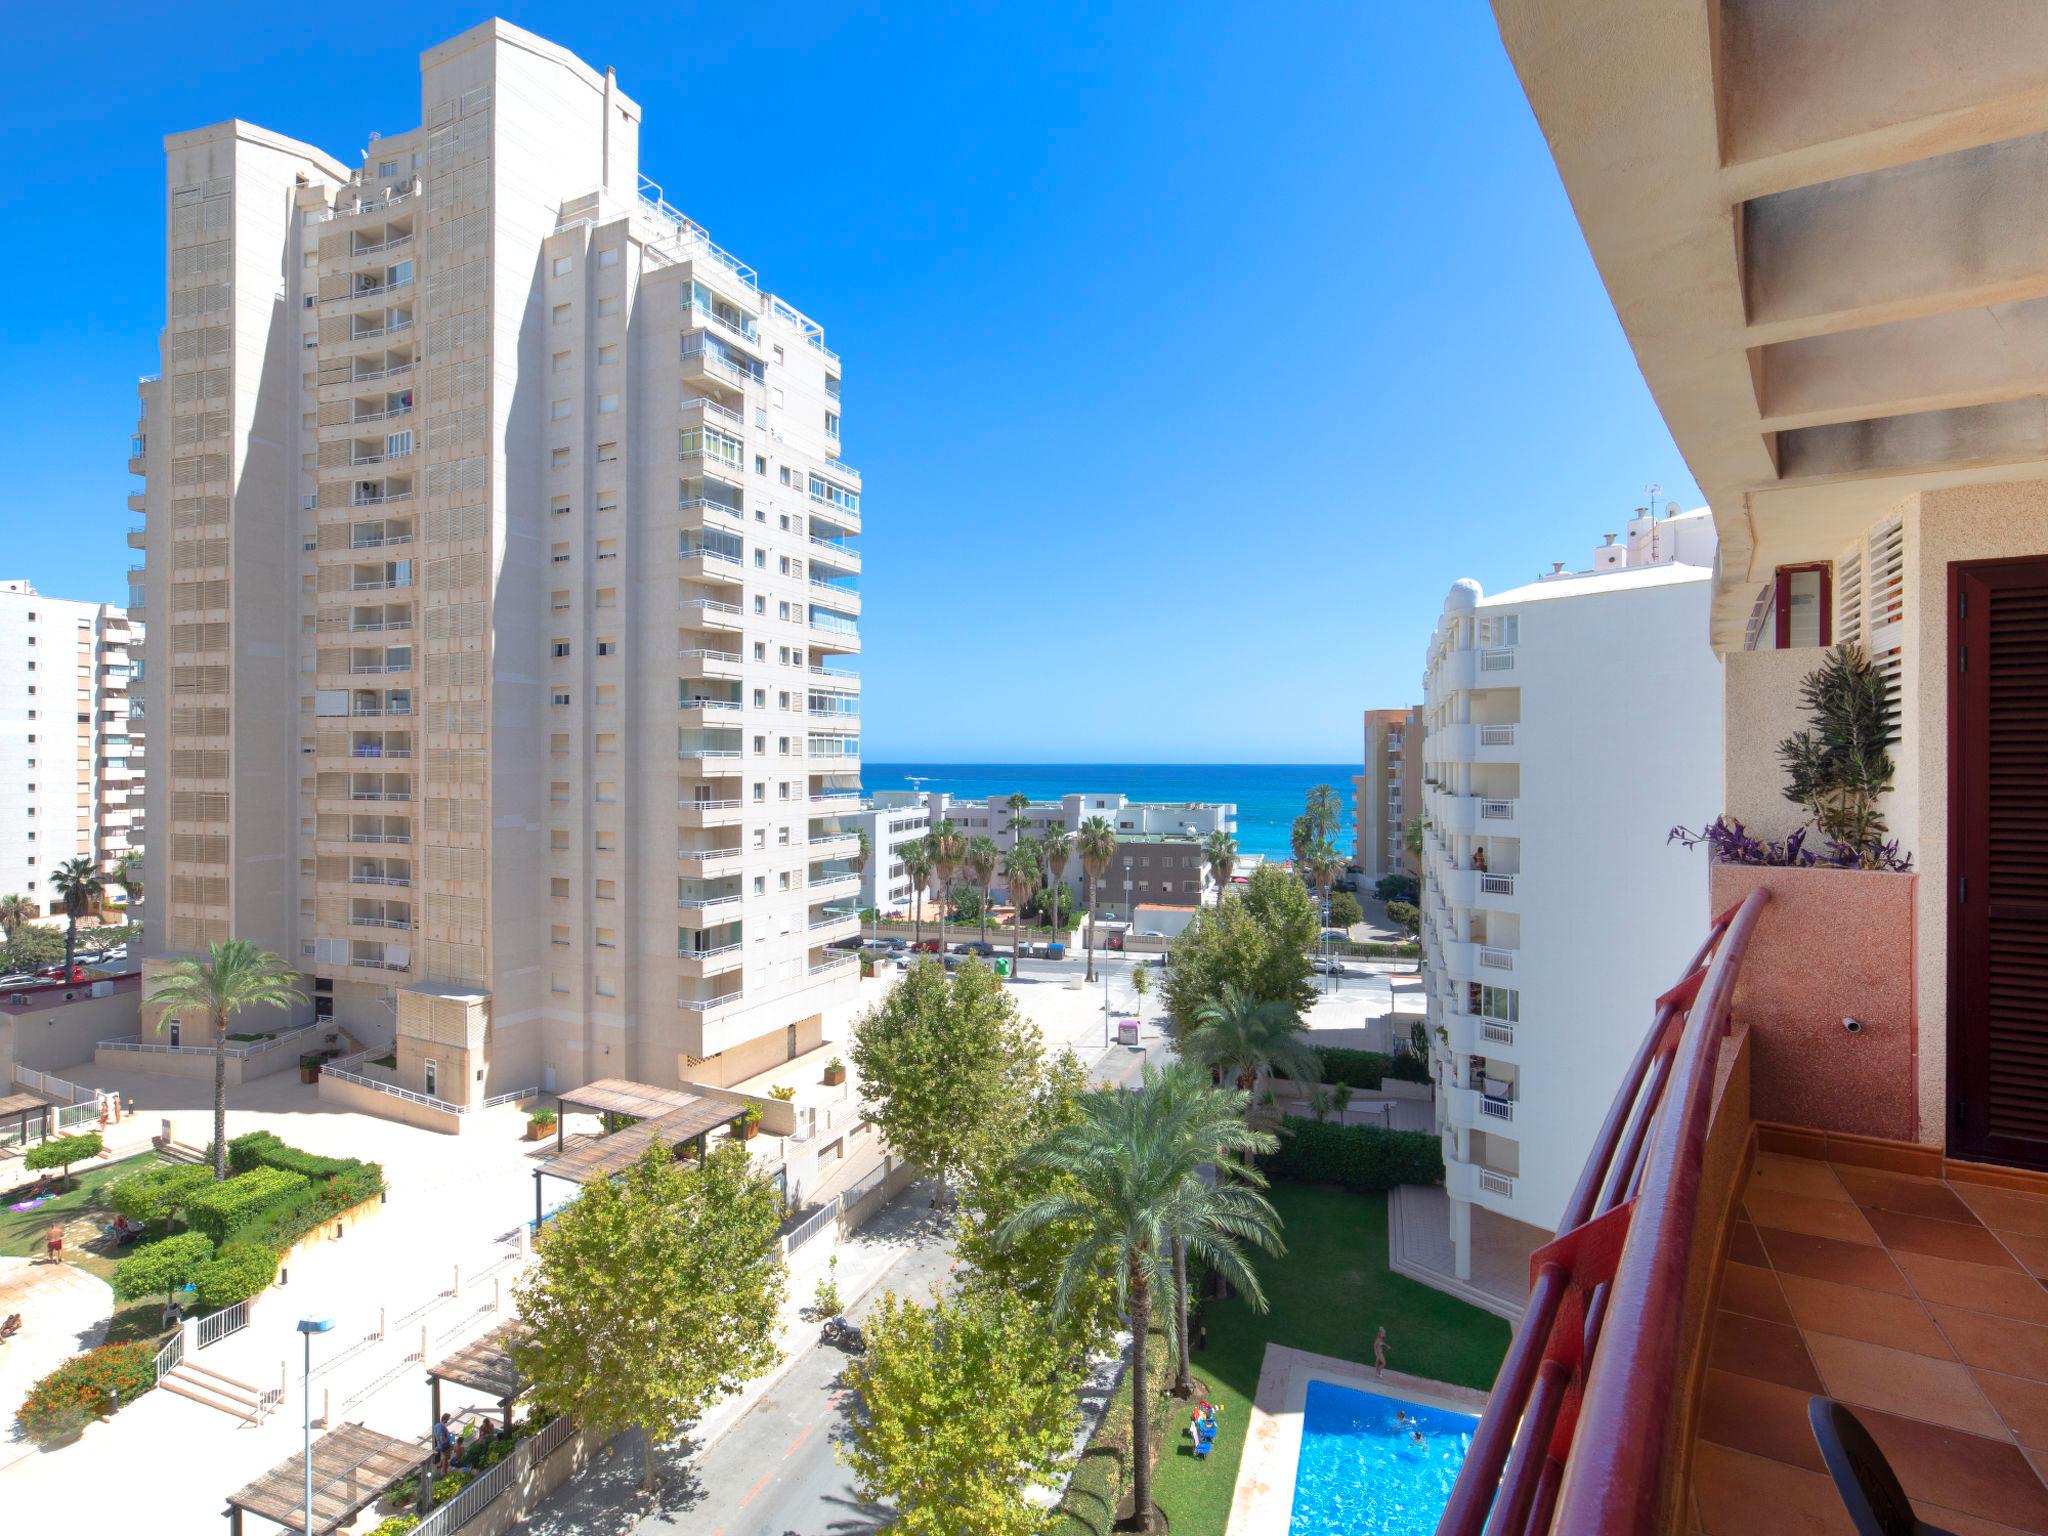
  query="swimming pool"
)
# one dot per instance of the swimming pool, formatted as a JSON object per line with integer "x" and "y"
{"x": 1361, "y": 1472}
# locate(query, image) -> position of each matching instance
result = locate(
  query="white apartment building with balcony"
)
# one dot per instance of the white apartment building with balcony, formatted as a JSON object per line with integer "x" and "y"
{"x": 70, "y": 785}
{"x": 890, "y": 821}
{"x": 505, "y": 569}
{"x": 1569, "y": 725}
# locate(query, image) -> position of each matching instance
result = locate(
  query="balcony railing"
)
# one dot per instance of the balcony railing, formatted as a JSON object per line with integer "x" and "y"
{"x": 1573, "y": 1439}
{"x": 1496, "y": 959}
{"x": 1496, "y": 735}
{"x": 1497, "y": 885}
{"x": 1499, "y": 659}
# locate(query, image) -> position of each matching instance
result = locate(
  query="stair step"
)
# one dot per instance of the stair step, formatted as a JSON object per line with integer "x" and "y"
{"x": 192, "y": 1367}
{"x": 197, "y": 1393}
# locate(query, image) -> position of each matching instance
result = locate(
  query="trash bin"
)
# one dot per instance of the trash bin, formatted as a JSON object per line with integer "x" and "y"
{"x": 1002, "y": 966}
{"x": 1127, "y": 1032}
{"x": 1056, "y": 951}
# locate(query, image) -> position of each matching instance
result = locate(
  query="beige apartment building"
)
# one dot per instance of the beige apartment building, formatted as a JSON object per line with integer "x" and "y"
{"x": 73, "y": 739}
{"x": 1388, "y": 789}
{"x": 503, "y": 564}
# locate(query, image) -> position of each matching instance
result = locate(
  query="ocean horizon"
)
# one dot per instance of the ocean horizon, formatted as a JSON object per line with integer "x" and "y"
{"x": 1268, "y": 796}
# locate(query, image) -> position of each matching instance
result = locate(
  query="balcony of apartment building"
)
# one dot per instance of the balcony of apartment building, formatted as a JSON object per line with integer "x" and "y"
{"x": 707, "y": 501}
{"x": 714, "y": 366}
{"x": 832, "y": 549}
{"x": 367, "y": 373}
{"x": 709, "y": 701}
{"x": 381, "y": 873}
{"x": 371, "y": 287}
{"x": 379, "y": 533}
{"x": 1480, "y": 1017}
{"x": 828, "y": 878}
{"x": 377, "y": 745}
{"x": 371, "y": 332}
{"x": 709, "y": 663}
{"x": 706, "y": 309}
{"x": 1481, "y": 872}
{"x": 835, "y": 507}
{"x": 832, "y": 918}
{"x": 697, "y": 744}
{"x": 709, "y": 451}
{"x": 379, "y": 913}
{"x": 361, "y": 618}
{"x": 710, "y": 800}
{"x": 835, "y": 587}
{"x": 709, "y": 411}
{"x": 367, "y": 412}
{"x": 834, "y": 791}
{"x": 829, "y": 837}
{"x": 829, "y": 747}
{"x": 709, "y": 852}
{"x": 1476, "y": 800}
{"x": 709, "y": 616}
{"x": 376, "y": 703}
{"x": 342, "y": 792}
{"x": 379, "y": 575}
{"x": 713, "y": 555}
{"x": 833, "y": 631}
{"x": 706, "y": 902}
{"x": 713, "y": 950}
{"x": 383, "y": 486}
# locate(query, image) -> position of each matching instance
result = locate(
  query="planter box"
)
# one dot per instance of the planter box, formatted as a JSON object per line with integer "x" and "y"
{"x": 539, "y": 1130}
{"x": 746, "y": 1130}
{"x": 309, "y": 1074}
{"x": 1832, "y": 944}
{"x": 834, "y": 1076}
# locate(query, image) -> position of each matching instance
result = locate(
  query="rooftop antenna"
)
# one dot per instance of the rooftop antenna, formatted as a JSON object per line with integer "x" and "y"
{"x": 1654, "y": 488}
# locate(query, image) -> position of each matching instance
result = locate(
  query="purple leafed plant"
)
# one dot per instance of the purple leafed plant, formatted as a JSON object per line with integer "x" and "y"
{"x": 1729, "y": 842}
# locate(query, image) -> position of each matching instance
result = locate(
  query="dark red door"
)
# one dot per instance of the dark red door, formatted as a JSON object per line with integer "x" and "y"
{"x": 1998, "y": 850}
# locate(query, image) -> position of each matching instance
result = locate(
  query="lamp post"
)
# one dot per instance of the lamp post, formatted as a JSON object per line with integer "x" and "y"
{"x": 308, "y": 1326}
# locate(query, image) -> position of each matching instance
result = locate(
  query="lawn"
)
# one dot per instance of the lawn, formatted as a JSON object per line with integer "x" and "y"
{"x": 21, "y": 1235}
{"x": 1328, "y": 1293}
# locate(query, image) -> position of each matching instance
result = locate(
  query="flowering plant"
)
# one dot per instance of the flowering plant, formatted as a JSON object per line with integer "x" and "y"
{"x": 1732, "y": 843}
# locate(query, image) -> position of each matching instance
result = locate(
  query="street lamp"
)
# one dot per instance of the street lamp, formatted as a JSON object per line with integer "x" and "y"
{"x": 308, "y": 1326}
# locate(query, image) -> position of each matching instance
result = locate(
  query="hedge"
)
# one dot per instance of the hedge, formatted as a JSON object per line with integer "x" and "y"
{"x": 1103, "y": 1476}
{"x": 235, "y": 1274}
{"x": 75, "y": 1393}
{"x": 241, "y": 1200}
{"x": 1355, "y": 1157}
{"x": 63, "y": 1151}
{"x": 157, "y": 1194}
{"x": 163, "y": 1266}
{"x": 1368, "y": 1069}
{"x": 260, "y": 1149}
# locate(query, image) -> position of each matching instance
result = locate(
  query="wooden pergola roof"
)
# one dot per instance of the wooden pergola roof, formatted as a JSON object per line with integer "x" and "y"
{"x": 623, "y": 1096}
{"x": 352, "y": 1468}
{"x": 18, "y": 1103}
{"x": 485, "y": 1365}
{"x": 603, "y": 1156}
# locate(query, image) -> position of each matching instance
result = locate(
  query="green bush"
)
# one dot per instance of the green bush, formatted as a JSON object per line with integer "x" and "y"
{"x": 1345, "y": 910}
{"x": 235, "y": 1274}
{"x": 63, "y": 1151}
{"x": 1103, "y": 1475}
{"x": 162, "y": 1267}
{"x": 260, "y": 1149}
{"x": 1368, "y": 1069}
{"x": 397, "y": 1525}
{"x": 1398, "y": 888}
{"x": 76, "y": 1393}
{"x": 1355, "y": 1157}
{"x": 157, "y": 1194}
{"x": 225, "y": 1207}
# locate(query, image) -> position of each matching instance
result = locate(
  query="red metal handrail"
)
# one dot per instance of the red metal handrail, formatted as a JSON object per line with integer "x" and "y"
{"x": 1621, "y": 1254}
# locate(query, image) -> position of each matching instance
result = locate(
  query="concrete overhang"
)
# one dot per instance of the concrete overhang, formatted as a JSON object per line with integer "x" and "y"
{"x": 1818, "y": 221}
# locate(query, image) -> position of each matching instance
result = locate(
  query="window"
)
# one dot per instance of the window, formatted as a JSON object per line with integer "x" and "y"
{"x": 558, "y": 791}
{"x": 558, "y": 554}
{"x": 559, "y": 459}
{"x": 607, "y": 890}
{"x": 760, "y": 698}
{"x": 559, "y": 410}
{"x": 760, "y": 885}
{"x": 607, "y": 741}
{"x": 559, "y": 742}
{"x": 559, "y": 697}
{"x": 607, "y": 695}
{"x": 761, "y": 560}
{"x": 608, "y": 354}
{"x": 782, "y": 746}
{"x": 607, "y": 549}
{"x": 607, "y": 404}
{"x": 832, "y": 424}
{"x": 760, "y": 793}
{"x": 607, "y": 647}
{"x": 1503, "y": 629}
{"x": 563, "y": 313}
{"x": 778, "y": 354}
{"x": 607, "y": 597}
{"x": 608, "y": 257}
{"x": 785, "y": 475}
{"x": 558, "y": 933}
{"x": 561, "y": 362}
{"x": 782, "y": 837}
{"x": 760, "y": 650}
{"x": 760, "y": 464}
{"x": 1804, "y": 609}
{"x": 776, "y": 392}
{"x": 560, "y": 508}
{"x": 782, "y": 880}
{"x": 607, "y": 453}
{"x": 761, "y": 606}
{"x": 607, "y": 793}
{"x": 558, "y": 649}
{"x": 559, "y": 886}
{"x": 564, "y": 265}
{"x": 607, "y": 307}
{"x": 760, "y": 746}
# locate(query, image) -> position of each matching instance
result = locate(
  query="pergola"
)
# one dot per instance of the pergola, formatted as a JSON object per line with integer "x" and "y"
{"x": 353, "y": 1467}
{"x": 668, "y": 1115}
{"x": 484, "y": 1365}
{"x": 22, "y": 1105}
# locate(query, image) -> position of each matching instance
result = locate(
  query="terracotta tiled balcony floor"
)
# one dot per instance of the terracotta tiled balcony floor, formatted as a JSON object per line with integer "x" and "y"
{"x": 1917, "y": 1301}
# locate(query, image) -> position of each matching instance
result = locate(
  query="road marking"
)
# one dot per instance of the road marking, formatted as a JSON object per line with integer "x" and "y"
{"x": 756, "y": 1489}
{"x": 802, "y": 1436}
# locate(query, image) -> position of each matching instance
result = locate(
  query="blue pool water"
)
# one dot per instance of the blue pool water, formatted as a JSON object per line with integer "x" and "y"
{"x": 1361, "y": 1472}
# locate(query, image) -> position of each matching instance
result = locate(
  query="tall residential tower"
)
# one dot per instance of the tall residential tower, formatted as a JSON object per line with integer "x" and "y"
{"x": 1388, "y": 789}
{"x": 502, "y": 560}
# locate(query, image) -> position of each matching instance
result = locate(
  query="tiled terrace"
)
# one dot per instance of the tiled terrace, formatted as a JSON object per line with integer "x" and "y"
{"x": 1916, "y": 1299}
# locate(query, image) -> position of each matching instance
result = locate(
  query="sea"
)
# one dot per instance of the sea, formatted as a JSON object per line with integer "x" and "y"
{"x": 1268, "y": 796}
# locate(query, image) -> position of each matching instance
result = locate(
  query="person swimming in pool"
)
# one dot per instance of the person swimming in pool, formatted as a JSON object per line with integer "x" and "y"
{"x": 1415, "y": 1435}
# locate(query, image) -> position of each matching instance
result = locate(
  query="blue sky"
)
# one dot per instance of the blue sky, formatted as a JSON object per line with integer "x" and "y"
{"x": 1191, "y": 351}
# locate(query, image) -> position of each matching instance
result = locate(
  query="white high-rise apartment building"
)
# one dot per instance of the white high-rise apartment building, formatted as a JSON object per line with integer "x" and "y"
{"x": 69, "y": 786}
{"x": 1569, "y": 725}
{"x": 501, "y": 556}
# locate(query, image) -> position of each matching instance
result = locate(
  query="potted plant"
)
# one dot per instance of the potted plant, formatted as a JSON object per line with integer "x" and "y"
{"x": 785, "y": 1093}
{"x": 835, "y": 1072}
{"x": 309, "y": 1068}
{"x": 748, "y": 1125}
{"x": 538, "y": 1123}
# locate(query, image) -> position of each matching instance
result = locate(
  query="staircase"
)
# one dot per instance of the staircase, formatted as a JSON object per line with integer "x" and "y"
{"x": 178, "y": 1152}
{"x": 235, "y": 1398}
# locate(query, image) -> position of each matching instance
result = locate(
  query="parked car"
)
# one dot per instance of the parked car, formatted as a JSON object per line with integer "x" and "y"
{"x": 1116, "y": 941}
{"x": 1337, "y": 935}
{"x": 952, "y": 961}
{"x": 894, "y": 946}
{"x": 1332, "y": 968}
{"x": 979, "y": 947}
{"x": 926, "y": 946}
{"x": 853, "y": 943}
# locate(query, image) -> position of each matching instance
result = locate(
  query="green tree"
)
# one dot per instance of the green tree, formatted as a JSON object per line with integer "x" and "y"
{"x": 1325, "y": 811}
{"x": 97, "y": 941}
{"x": 34, "y": 947}
{"x": 164, "y": 1267}
{"x": 1022, "y": 873}
{"x": 1249, "y": 1037}
{"x": 943, "y": 1062}
{"x": 1097, "y": 846}
{"x": 78, "y": 882}
{"x": 1838, "y": 767}
{"x": 1058, "y": 845}
{"x": 1018, "y": 802}
{"x": 864, "y": 849}
{"x": 1141, "y": 983}
{"x": 1411, "y": 842}
{"x": 949, "y": 849}
{"x": 62, "y": 1151}
{"x": 15, "y": 911}
{"x": 654, "y": 1294}
{"x": 127, "y": 873}
{"x": 1398, "y": 887}
{"x": 970, "y": 1404}
{"x": 1219, "y": 853}
{"x": 235, "y": 975}
{"x": 982, "y": 859}
{"x": 1345, "y": 910}
{"x": 917, "y": 864}
{"x": 1258, "y": 943}
{"x": 1407, "y": 915}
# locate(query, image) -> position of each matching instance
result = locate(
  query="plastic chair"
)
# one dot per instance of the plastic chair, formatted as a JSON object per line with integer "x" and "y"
{"x": 1870, "y": 1491}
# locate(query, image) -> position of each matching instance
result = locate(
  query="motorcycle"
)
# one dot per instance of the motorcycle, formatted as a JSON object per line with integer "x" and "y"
{"x": 843, "y": 1335}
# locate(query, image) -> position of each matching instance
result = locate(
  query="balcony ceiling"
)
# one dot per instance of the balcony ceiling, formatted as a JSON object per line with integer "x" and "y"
{"x": 1818, "y": 221}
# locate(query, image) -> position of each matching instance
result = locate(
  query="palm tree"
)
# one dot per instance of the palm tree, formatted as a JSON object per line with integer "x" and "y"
{"x": 1325, "y": 810}
{"x": 983, "y": 859}
{"x": 1018, "y": 803}
{"x": 1299, "y": 838}
{"x": 15, "y": 912}
{"x": 1059, "y": 850}
{"x": 1126, "y": 1162}
{"x": 79, "y": 882}
{"x": 127, "y": 874}
{"x": 857, "y": 861}
{"x": 1097, "y": 846}
{"x": 1023, "y": 874}
{"x": 1411, "y": 842}
{"x": 236, "y": 975}
{"x": 949, "y": 848}
{"x": 1212, "y": 1131}
{"x": 1249, "y": 1037}
{"x": 917, "y": 863}
{"x": 1220, "y": 854}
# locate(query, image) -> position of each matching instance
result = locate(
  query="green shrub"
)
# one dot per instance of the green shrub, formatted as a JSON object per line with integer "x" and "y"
{"x": 1355, "y": 1157}
{"x": 220, "y": 1210}
{"x": 1345, "y": 910}
{"x": 542, "y": 1117}
{"x": 397, "y": 1525}
{"x": 157, "y": 1194}
{"x": 260, "y": 1149}
{"x": 76, "y": 1393}
{"x": 162, "y": 1267}
{"x": 1102, "y": 1477}
{"x": 63, "y": 1151}
{"x": 1368, "y": 1069}
{"x": 235, "y": 1274}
